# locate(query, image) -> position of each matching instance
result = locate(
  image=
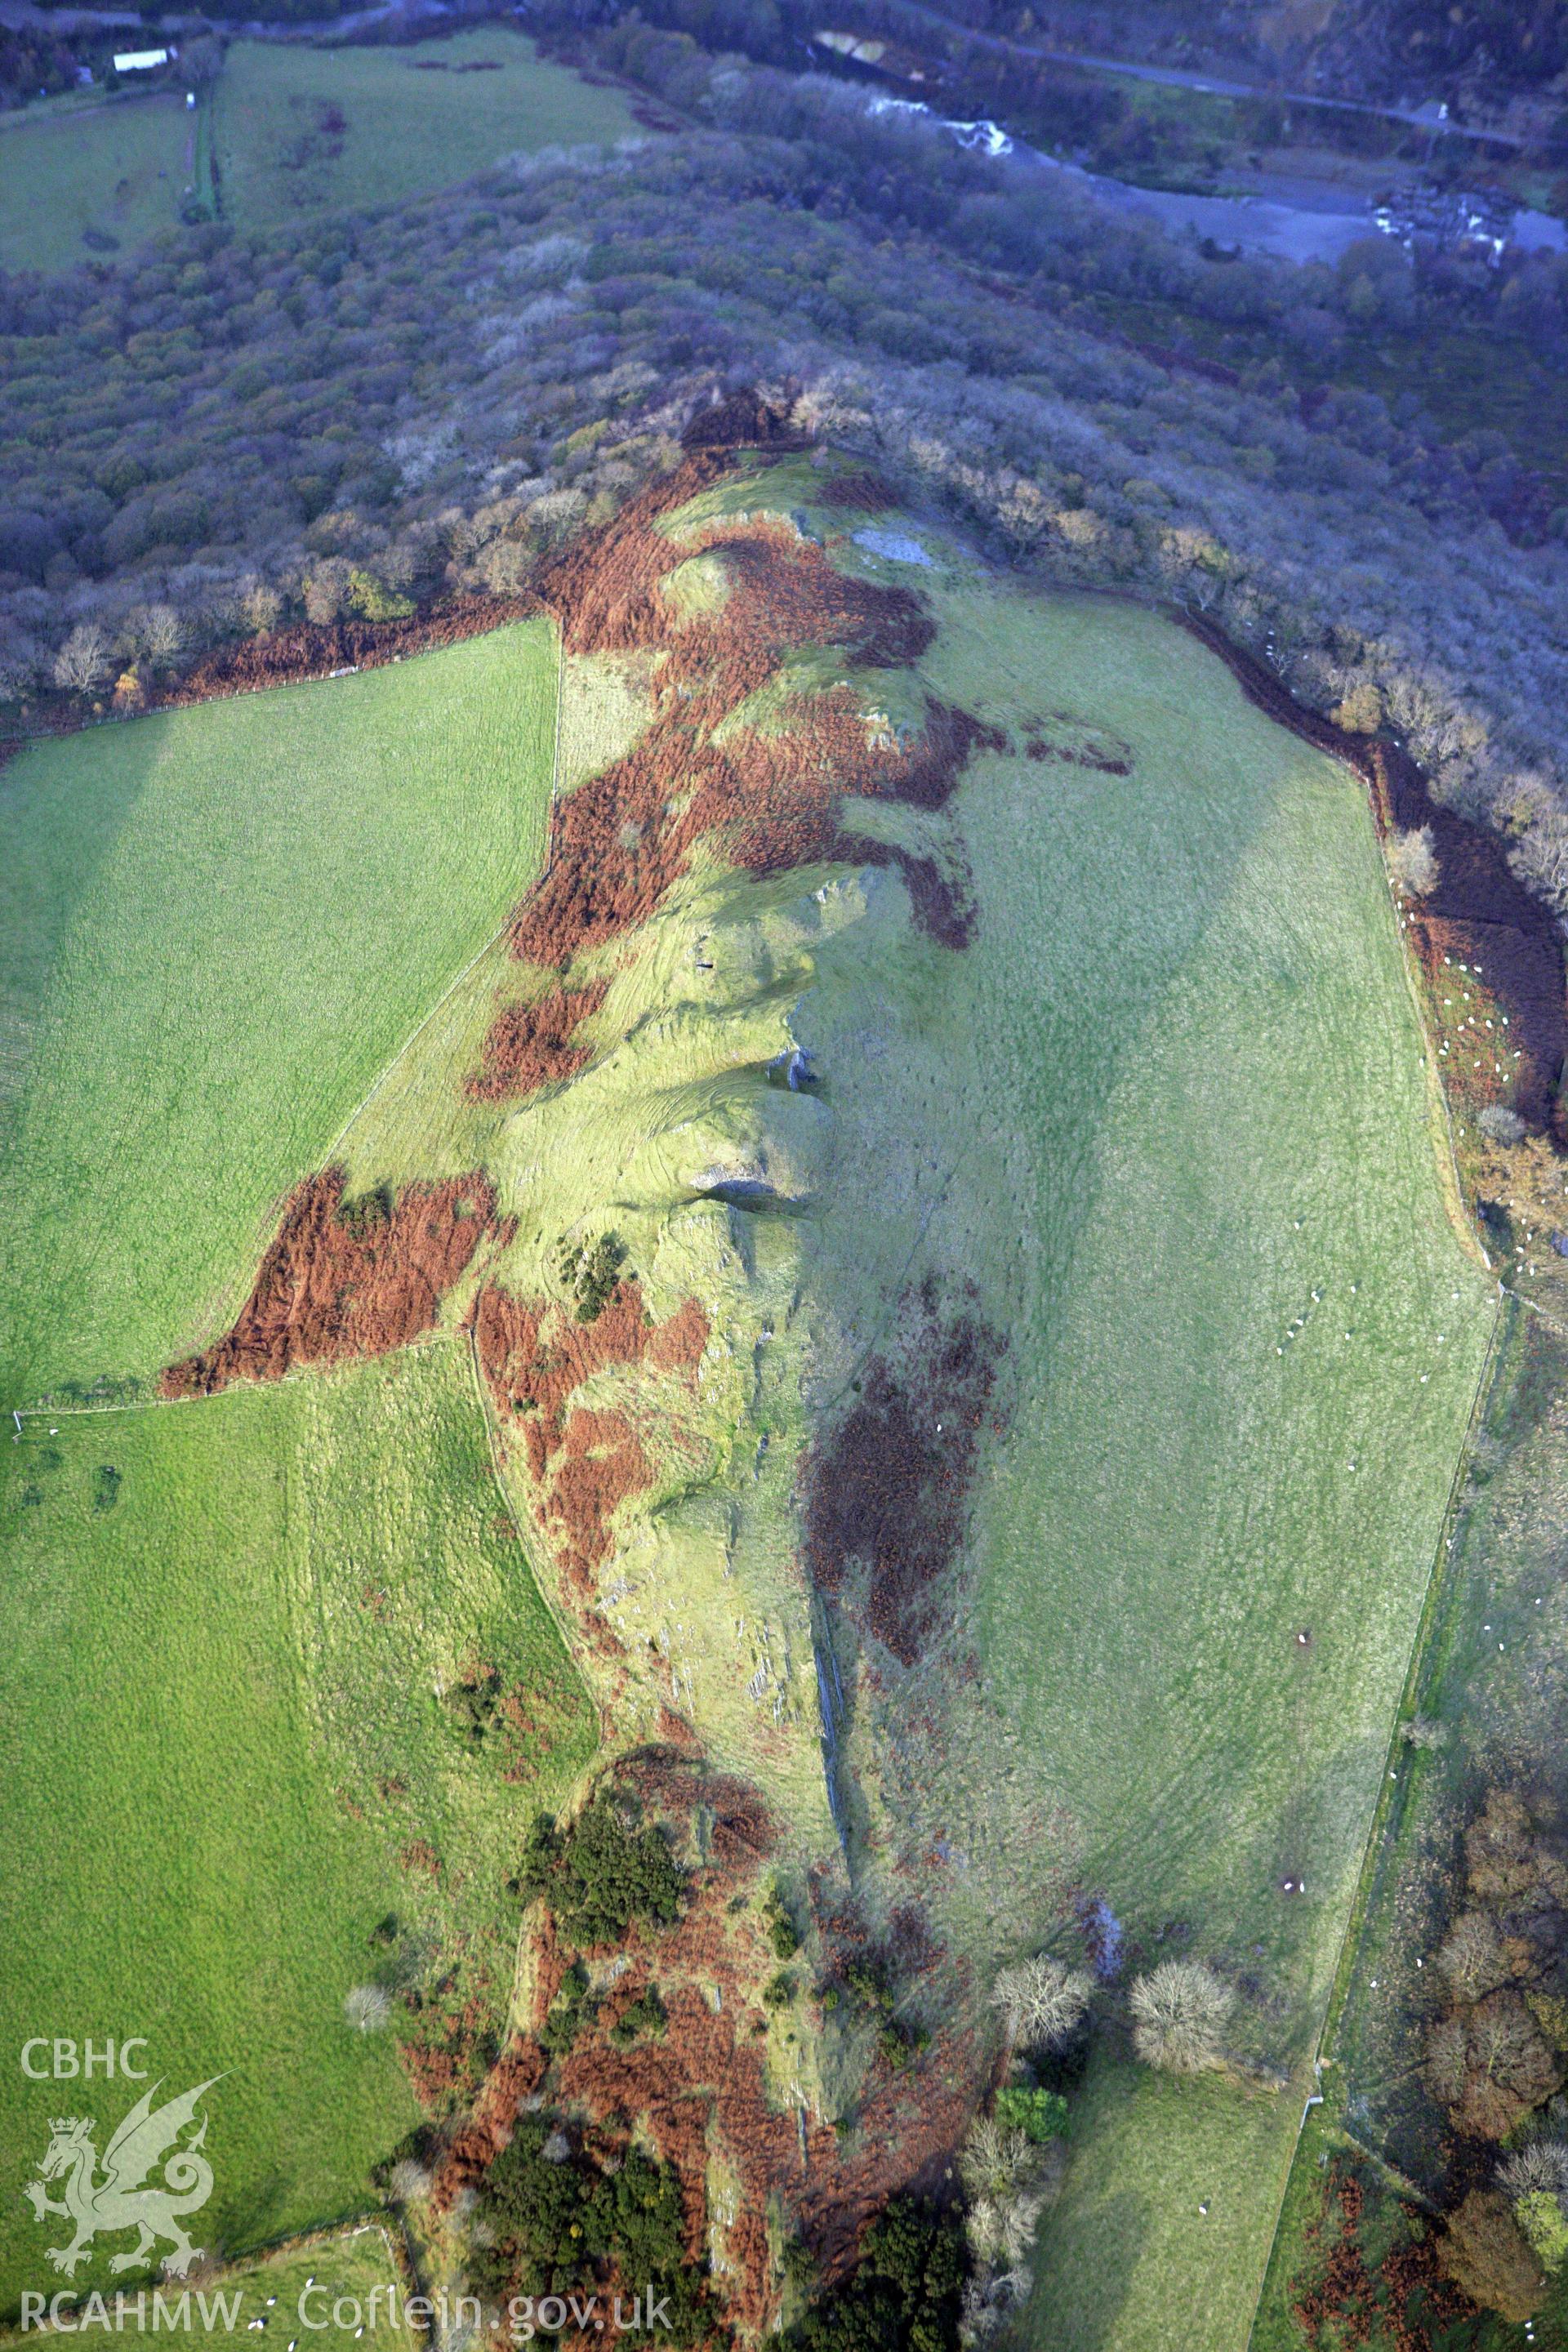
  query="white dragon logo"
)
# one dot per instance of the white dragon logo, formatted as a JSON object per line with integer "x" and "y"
{"x": 120, "y": 2200}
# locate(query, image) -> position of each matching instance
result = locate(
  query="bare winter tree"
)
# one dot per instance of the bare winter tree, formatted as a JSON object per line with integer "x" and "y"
{"x": 1538, "y": 2168}
{"x": 367, "y": 2008}
{"x": 1427, "y": 1731}
{"x": 1179, "y": 2011}
{"x": 327, "y": 590}
{"x": 82, "y": 662}
{"x": 260, "y": 604}
{"x": 1539, "y": 855}
{"x": 156, "y": 631}
{"x": 1007, "y": 2182}
{"x": 990, "y": 2299}
{"x": 993, "y": 2159}
{"x": 1042, "y": 2000}
{"x": 410, "y": 2180}
{"x": 1413, "y": 862}
{"x": 1471, "y": 1956}
{"x": 1502, "y": 1125}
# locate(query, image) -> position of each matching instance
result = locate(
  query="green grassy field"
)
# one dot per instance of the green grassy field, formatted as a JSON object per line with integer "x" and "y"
{"x": 298, "y": 130}
{"x": 116, "y": 170}
{"x": 354, "y": 2263}
{"x": 218, "y": 925}
{"x": 1493, "y": 1677}
{"x": 1170, "y": 1112}
{"x": 413, "y": 119}
{"x": 223, "y": 1627}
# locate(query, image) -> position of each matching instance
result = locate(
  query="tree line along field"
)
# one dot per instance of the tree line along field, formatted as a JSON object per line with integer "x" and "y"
{"x": 300, "y": 131}
{"x": 219, "y": 924}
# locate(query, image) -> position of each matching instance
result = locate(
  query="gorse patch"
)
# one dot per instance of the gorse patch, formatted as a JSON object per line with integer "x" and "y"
{"x": 1040, "y": 2115}
{"x": 598, "y": 1875}
{"x": 553, "y": 2220}
{"x": 903, "y": 2296}
{"x": 646, "y": 2016}
{"x": 567, "y": 2013}
{"x": 783, "y": 1938}
{"x": 367, "y": 1214}
{"x": 590, "y": 1271}
{"x": 473, "y": 1701}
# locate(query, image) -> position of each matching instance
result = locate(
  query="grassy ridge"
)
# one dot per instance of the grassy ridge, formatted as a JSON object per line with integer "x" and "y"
{"x": 218, "y": 925}
{"x": 259, "y": 1603}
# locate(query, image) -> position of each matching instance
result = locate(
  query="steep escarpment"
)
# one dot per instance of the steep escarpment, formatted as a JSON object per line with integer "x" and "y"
{"x": 627, "y": 1252}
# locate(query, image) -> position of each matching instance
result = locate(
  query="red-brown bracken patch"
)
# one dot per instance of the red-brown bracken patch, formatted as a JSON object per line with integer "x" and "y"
{"x": 313, "y": 650}
{"x": 867, "y": 492}
{"x": 518, "y": 2073}
{"x": 1403, "y": 2305}
{"x": 535, "y": 1357}
{"x": 325, "y": 1292}
{"x": 530, "y": 1045}
{"x": 770, "y": 797}
{"x": 889, "y": 1486}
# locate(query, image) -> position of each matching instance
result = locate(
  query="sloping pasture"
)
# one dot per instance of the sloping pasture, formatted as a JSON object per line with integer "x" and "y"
{"x": 216, "y": 926}
{"x": 1170, "y": 1112}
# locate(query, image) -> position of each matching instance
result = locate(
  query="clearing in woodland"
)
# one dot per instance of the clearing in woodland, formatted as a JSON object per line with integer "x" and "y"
{"x": 303, "y": 130}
